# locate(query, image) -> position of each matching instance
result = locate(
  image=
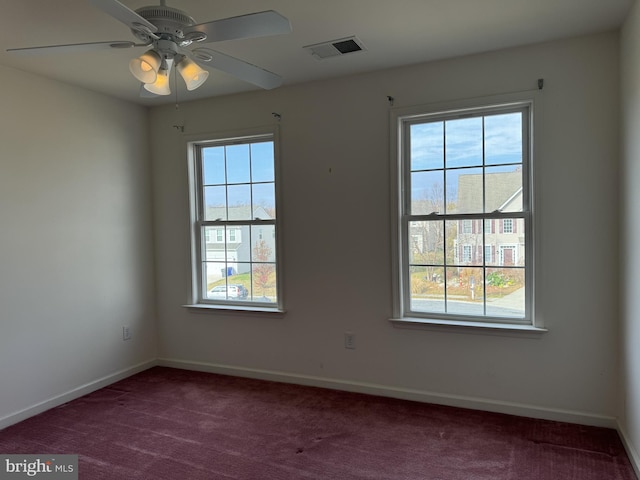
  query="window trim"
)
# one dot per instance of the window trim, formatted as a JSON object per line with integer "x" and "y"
{"x": 194, "y": 302}
{"x": 399, "y": 118}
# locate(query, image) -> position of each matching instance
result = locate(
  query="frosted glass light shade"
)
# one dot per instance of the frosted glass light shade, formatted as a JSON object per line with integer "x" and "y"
{"x": 145, "y": 67}
{"x": 191, "y": 73}
{"x": 161, "y": 85}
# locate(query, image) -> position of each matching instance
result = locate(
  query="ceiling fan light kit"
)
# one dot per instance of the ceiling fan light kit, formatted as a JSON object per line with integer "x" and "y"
{"x": 161, "y": 85}
{"x": 145, "y": 67}
{"x": 191, "y": 73}
{"x": 168, "y": 31}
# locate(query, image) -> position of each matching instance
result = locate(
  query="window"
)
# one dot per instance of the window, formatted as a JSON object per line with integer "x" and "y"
{"x": 464, "y": 195}
{"x": 487, "y": 254}
{"x": 466, "y": 254}
{"x": 234, "y": 231}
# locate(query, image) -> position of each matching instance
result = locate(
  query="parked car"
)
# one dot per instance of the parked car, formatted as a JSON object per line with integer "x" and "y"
{"x": 231, "y": 292}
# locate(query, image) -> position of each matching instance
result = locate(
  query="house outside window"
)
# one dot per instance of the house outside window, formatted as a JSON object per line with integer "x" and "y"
{"x": 461, "y": 174}
{"x": 233, "y": 201}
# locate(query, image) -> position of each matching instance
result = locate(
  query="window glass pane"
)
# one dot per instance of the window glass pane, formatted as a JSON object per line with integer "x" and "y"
{"x": 237, "y": 243}
{"x": 262, "y": 163}
{"x": 241, "y": 276}
{"x": 506, "y": 245}
{"x": 426, "y": 289}
{"x": 239, "y": 202}
{"x": 263, "y": 243}
{"x": 464, "y": 188}
{"x": 427, "y": 192}
{"x": 471, "y": 250}
{"x": 427, "y": 146}
{"x": 506, "y": 292}
{"x": 213, "y": 272}
{"x": 451, "y": 241}
{"x": 503, "y": 189}
{"x": 213, "y": 165}
{"x": 238, "y": 170}
{"x": 426, "y": 242}
{"x": 264, "y": 200}
{"x": 463, "y": 142}
{"x": 465, "y": 291}
{"x": 231, "y": 247}
{"x": 263, "y": 282}
{"x": 215, "y": 203}
{"x": 214, "y": 244}
{"x": 503, "y": 138}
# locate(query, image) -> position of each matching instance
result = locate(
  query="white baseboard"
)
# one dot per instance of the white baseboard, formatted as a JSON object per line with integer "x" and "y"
{"x": 523, "y": 410}
{"x": 634, "y": 458}
{"x": 74, "y": 393}
{"x": 474, "y": 403}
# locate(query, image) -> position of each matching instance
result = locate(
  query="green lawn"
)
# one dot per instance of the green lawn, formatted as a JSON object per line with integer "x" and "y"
{"x": 245, "y": 280}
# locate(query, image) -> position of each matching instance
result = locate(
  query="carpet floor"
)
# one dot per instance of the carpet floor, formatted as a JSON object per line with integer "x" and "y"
{"x": 171, "y": 424}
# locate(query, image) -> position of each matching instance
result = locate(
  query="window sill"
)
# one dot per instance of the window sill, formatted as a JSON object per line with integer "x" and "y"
{"x": 234, "y": 309}
{"x": 468, "y": 327}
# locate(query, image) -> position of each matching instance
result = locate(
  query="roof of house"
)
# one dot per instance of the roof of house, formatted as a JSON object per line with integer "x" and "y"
{"x": 503, "y": 192}
{"x": 240, "y": 212}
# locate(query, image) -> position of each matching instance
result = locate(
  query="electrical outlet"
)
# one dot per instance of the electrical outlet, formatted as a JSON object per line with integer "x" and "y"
{"x": 126, "y": 332}
{"x": 350, "y": 340}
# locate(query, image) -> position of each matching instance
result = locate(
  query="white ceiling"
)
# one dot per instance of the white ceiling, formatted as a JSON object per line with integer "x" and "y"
{"x": 398, "y": 32}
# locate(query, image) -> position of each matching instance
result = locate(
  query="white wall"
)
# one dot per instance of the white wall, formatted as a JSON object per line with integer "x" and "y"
{"x": 76, "y": 254}
{"x": 630, "y": 234}
{"x": 337, "y": 274}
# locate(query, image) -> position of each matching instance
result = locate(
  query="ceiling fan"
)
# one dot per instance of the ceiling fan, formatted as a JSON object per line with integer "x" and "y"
{"x": 168, "y": 31}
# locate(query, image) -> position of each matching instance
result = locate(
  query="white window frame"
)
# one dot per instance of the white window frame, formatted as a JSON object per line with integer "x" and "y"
{"x": 196, "y": 293}
{"x": 400, "y": 119}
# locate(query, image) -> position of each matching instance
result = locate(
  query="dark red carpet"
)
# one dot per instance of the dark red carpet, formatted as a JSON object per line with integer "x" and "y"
{"x": 181, "y": 425}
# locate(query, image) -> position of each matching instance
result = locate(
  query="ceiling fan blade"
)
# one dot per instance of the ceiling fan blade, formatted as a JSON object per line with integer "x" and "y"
{"x": 72, "y": 48}
{"x": 238, "y": 68}
{"x": 124, "y": 14}
{"x": 244, "y": 26}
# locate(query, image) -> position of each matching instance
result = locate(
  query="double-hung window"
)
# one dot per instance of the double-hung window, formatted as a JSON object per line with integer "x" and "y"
{"x": 463, "y": 214}
{"x": 234, "y": 222}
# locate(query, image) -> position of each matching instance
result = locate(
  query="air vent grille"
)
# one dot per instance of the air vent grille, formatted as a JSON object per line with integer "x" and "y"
{"x": 335, "y": 48}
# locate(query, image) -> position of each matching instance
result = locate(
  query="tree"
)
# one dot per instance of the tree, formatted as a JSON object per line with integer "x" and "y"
{"x": 262, "y": 272}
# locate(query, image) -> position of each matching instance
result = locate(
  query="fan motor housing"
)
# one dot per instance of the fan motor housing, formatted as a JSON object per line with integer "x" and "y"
{"x": 168, "y": 21}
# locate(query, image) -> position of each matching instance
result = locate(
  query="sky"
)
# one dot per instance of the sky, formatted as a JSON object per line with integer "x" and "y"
{"x": 246, "y": 169}
{"x": 455, "y": 147}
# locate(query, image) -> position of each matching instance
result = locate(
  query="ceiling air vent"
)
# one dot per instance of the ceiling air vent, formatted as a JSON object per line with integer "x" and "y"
{"x": 335, "y": 48}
